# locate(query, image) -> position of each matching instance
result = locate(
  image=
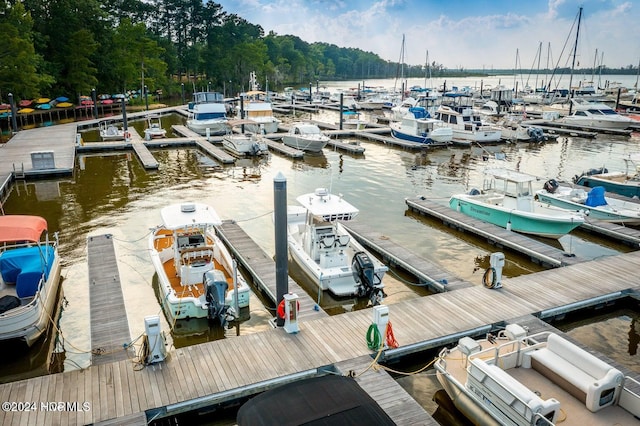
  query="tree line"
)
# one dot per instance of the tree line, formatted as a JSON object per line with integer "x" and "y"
{"x": 69, "y": 47}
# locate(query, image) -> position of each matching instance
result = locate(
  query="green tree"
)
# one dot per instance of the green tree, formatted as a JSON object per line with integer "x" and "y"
{"x": 18, "y": 59}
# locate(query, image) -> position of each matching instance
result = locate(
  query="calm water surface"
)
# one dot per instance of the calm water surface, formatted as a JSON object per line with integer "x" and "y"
{"x": 113, "y": 194}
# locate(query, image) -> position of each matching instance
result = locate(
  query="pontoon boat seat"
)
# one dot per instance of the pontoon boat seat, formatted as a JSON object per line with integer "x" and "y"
{"x": 580, "y": 373}
{"x": 24, "y": 267}
{"x": 507, "y": 393}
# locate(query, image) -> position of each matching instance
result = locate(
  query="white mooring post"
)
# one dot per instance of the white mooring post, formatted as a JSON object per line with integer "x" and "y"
{"x": 291, "y": 313}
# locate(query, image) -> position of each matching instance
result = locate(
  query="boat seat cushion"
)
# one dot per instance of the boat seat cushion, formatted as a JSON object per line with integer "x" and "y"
{"x": 580, "y": 373}
{"x": 23, "y": 266}
{"x": 510, "y": 391}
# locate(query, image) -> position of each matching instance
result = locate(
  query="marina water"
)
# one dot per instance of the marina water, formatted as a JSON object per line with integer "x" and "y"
{"x": 111, "y": 193}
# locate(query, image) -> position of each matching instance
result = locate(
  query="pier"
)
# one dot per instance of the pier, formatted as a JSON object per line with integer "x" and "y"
{"x": 538, "y": 252}
{"x": 204, "y": 374}
{"x": 117, "y": 390}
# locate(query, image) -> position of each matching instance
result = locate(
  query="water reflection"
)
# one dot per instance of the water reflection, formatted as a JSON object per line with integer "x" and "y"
{"x": 112, "y": 193}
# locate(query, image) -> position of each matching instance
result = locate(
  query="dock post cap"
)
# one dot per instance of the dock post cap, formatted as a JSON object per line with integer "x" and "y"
{"x": 279, "y": 178}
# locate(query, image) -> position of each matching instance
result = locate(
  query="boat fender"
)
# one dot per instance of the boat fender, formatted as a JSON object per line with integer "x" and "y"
{"x": 489, "y": 278}
{"x": 550, "y": 186}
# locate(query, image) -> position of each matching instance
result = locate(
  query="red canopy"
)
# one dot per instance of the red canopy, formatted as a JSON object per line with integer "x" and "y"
{"x": 21, "y": 228}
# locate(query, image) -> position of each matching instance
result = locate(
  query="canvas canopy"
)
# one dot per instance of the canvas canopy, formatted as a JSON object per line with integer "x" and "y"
{"x": 21, "y": 228}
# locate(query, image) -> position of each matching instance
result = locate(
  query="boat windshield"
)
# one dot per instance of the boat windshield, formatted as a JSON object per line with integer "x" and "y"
{"x": 209, "y": 115}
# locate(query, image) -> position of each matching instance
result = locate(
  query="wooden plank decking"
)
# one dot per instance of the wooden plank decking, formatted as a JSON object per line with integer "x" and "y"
{"x": 262, "y": 269}
{"x": 428, "y": 272}
{"x": 109, "y": 324}
{"x": 391, "y": 397}
{"x": 537, "y": 251}
{"x": 233, "y": 365}
{"x": 60, "y": 139}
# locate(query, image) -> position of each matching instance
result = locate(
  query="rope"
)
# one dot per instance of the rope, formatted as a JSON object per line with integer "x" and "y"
{"x": 489, "y": 278}
{"x": 391, "y": 339}
{"x": 374, "y": 340}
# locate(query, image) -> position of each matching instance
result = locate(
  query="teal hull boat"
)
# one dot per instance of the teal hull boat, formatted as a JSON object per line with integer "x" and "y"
{"x": 507, "y": 200}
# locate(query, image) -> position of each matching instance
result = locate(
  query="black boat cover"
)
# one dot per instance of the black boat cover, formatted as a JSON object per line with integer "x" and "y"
{"x": 8, "y": 302}
{"x": 326, "y": 400}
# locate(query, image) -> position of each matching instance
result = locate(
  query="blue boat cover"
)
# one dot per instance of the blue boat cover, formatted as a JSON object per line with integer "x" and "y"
{"x": 23, "y": 266}
{"x": 595, "y": 197}
{"x": 419, "y": 112}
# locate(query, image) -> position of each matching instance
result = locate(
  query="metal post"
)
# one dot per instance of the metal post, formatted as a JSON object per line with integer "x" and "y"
{"x": 95, "y": 103}
{"x": 146, "y": 96}
{"x": 280, "y": 222}
{"x": 14, "y": 122}
{"x": 125, "y": 127}
{"x": 341, "y": 108}
{"x": 182, "y": 84}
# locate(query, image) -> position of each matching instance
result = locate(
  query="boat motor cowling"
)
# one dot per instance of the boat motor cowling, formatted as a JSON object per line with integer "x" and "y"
{"x": 365, "y": 276}
{"x": 550, "y": 186}
{"x": 215, "y": 293}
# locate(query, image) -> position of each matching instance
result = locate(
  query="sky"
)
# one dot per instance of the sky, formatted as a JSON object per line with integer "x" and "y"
{"x": 461, "y": 34}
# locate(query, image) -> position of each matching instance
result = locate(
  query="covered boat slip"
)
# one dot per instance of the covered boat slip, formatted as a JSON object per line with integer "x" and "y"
{"x": 205, "y": 374}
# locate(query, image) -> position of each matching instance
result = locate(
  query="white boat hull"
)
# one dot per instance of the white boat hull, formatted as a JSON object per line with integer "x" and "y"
{"x": 216, "y": 127}
{"x": 178, "y": 307}
{"x": 332, "y": 270}
{"x": 30, "y": 321}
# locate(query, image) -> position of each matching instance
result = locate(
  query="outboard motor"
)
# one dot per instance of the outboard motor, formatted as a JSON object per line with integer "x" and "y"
{"x": 215, "y": 293}
{"x": 550, "y": 186}
{"x": 365, "y": 276}
{"x": 536, "y": 133}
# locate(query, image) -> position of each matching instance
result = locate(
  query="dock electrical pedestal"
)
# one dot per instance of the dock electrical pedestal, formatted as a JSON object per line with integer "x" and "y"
{"x": 291, "y": 313}
{"x": 156, "y": 350}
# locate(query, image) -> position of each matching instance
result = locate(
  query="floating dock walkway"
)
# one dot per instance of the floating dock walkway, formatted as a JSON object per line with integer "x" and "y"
{"x": 262, "y": 269}
{"x": 538, "y": 252}
{"x": 109, "y": 324}
{"x": 427, "y": 272}
{"x": 210, "y": 373}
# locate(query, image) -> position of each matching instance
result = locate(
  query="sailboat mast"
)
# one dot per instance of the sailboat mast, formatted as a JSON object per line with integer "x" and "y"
{"x": 573, "y": 63}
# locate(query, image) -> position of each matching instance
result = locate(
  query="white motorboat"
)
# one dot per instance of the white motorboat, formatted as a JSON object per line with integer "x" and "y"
{"x": 207, "y": 113}
{"x": 512, "y": 378}
{"x": 418, "y": 126}
{"x": 306, "y": 137}
{"x": 351, "y": 120}
{"x": 507, "y": 200}
{"x": 596, "y": 114}
{"x": 244, "y": 143}
{"x": 29, "y": 277}
{"x": 196, "y": 274}
{"x": 467, "y": 125}
{"x": 154, "y": 128}
{"x": 593, "y": 203}
{"x": 325, "y": 250}
{"x": 257, "y": 108}
{"x": 109, "y": 131}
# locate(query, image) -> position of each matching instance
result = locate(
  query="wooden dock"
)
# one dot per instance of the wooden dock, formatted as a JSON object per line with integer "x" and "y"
{"x": 537, "y": 251}
{"x": 353, "y": 148}
{"x": 262, "y": 269}
{"x": 20, "y": 153}
{"x": 284, "y": 149}
{"x": 390, "y": 396}
{"x": 426, "y": 271}
{"x": 209, "y": 373}
{"x": 109, "y": 325}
